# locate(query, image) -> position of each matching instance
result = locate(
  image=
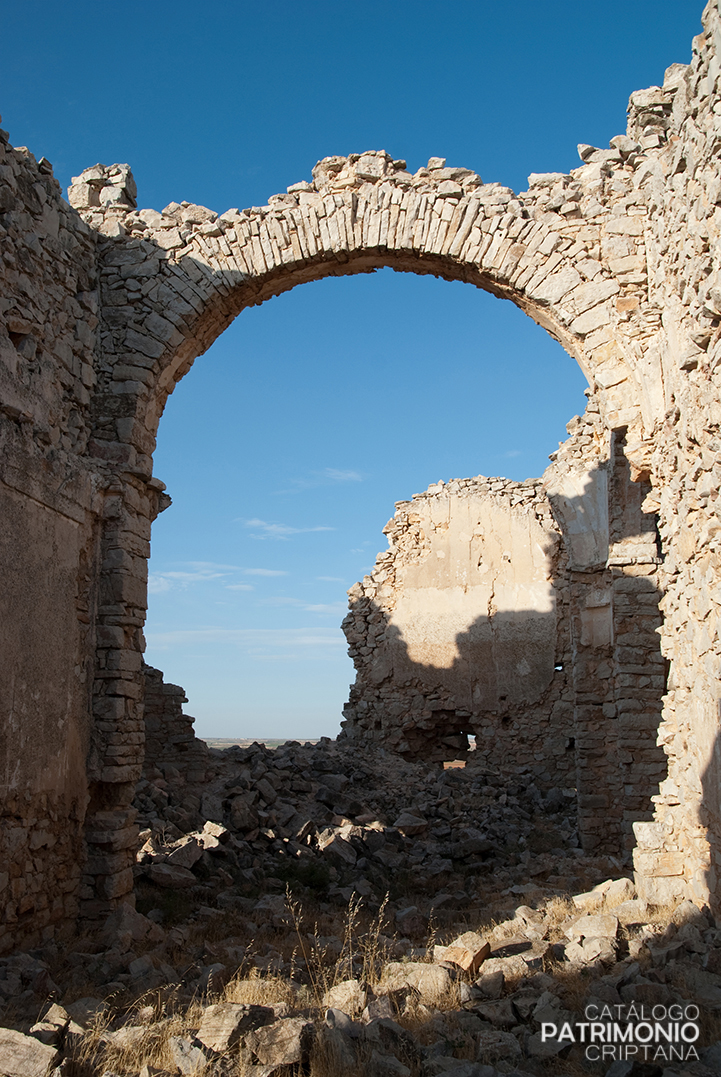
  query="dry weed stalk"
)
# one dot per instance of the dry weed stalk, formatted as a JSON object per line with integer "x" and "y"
{"x": 362, "y": 956}
{"x": 364, "y": 951}
{"x": 373, "y": 946}
{"x": 559, "y": 909}
{"x": 146, "y": 1044}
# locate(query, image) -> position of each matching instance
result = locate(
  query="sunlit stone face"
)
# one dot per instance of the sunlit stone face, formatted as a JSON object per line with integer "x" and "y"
{"x": 477, "y": 613}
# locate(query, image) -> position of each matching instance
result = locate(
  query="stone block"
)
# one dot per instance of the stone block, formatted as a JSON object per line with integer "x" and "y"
{"x": 188, "y": 1058}
{"x": 348, "y": 996}
{"x": 171, "y": 877}
{"x": 187, "y": 851}
{"x": 410, "y": 824}
{"x": 468, "y": 951}
{"x": 593, "y": 926}
{"x": 115, "y": 886}
{"x": 224, "y": 1023}
{"x": 659, "y": 864}
{"x": 591, "y": 319}
{"x": 25, "y": 1056}
{"x": 430, "y": 981}
{"x": 284, "y": 1043}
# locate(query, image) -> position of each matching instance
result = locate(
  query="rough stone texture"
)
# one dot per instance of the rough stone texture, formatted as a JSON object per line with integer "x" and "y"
{"x": 170, "y": 741}
{"x": 105, "y": 307}
{"x": 463, "y": 628}
{"x": 224, "y": 1023}
{"x": 284, "y": 1043}
{"x": 516, "y": 1011}
{"x": 51, "y": 504}
{"x": 24, "y": 1056}
{"x": 525, "y": 614}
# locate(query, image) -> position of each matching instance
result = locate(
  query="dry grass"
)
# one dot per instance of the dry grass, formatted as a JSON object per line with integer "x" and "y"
{"x": 364, "y": 948}
{"x": 261, "y": 989}
{"x": 146, "y": 1043}
{"x": 659, "y": 915}
{"x": 416, "y": 1014}
{"x": 145, "y": 1029}
{"x": 329, "y": 1059}
{"x": 558, "y": 910}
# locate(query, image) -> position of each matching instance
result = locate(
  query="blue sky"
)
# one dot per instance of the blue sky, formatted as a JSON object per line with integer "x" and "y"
{"x": 288, "y": 443}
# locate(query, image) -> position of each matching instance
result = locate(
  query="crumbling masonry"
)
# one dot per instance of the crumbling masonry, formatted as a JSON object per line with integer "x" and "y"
{"x": 104, "y": 308}
{"x": 525, "y": 614}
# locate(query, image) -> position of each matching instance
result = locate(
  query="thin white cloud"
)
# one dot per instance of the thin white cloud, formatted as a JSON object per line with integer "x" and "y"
{"x": 327, "y": 476}
{"x": 264, "y": 572}
{"x": 279, "y": 531}
{"x": 157, "y": 584}
{"x": 212, "y": 566}
{"x": 513, "y": 452}
{"x": 274, "y": 657}
{"x": 254, "y": 642}
{"x": 308, "y": 607}
{"x": 200, "y": 571}
{"x": 203, "y": 571}
{"x": 334, "y": 474}
{"x": 331, "y": 579}
{"x": 202, "y": 574}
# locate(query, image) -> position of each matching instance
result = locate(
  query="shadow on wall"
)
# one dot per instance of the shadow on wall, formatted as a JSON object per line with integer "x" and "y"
{"x": 669, "y": 871}
{"x": 710, "y": 814}
{"x": 569, "y": 692}
{"x": 619, "y": 674}
{"x": 582, "y": 717}
{"x": 508, "y": 684}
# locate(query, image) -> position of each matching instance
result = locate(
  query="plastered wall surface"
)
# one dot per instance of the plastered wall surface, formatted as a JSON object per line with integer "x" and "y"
{"x": 105, "y": 307}
{"x": 460, "y": 626}
{"x": 467, "y": 596}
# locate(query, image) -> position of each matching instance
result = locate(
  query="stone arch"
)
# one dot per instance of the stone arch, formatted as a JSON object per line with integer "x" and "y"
{"x": 105, "y": 308}
{"x": 171, "y": 282}
{"x": 198, "y": 271}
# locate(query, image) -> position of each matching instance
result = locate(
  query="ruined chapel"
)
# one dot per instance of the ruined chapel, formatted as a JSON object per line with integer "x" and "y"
{"x": 575, "y": 617}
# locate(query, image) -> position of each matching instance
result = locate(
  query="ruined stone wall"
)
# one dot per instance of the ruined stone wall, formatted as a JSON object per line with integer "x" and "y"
{"x": 49, "y": 506}
{"x": 462, "y": 628}
{"x": 105, "y": 307}
{"x": 619, "y": 673}
{"x": 681, "y": 851}
{"x": 62, "y": 837}
{"x": 528, "y": 615}
{"x": 171, "y": 281}
{"x": 170, "y": 740}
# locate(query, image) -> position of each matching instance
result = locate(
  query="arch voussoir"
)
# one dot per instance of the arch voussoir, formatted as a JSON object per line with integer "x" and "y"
{"x": 361, "y": 213}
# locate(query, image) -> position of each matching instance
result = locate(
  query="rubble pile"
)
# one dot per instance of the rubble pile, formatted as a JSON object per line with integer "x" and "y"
{"x": 322, "y": 816}
{"x": 304, "y": 911}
